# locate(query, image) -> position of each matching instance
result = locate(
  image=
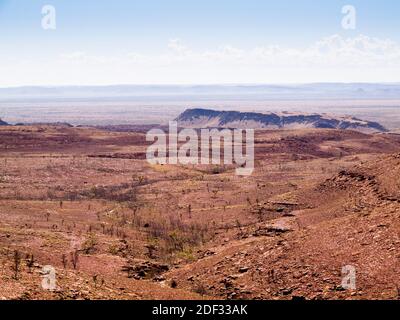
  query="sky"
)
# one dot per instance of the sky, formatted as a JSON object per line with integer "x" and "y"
{"x": 98, "y": 42}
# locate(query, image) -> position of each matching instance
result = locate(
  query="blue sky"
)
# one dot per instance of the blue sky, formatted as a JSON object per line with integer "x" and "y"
{"x": 95, "y": 41}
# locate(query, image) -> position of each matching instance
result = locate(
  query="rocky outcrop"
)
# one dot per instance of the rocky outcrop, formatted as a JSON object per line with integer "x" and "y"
{"x": 139, "y": 269}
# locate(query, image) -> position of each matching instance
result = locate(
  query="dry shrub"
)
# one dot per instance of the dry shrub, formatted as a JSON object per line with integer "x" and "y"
{"x": 89, "y": 246}
{"x": 175, "y": 235}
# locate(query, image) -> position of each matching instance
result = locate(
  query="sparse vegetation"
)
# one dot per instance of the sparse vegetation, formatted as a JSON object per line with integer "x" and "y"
{"x": 86, "y": 215}
{"x": 75, "y": 259}
{"x": 89, "y": 246}
{"x": 30, "y": 261}
{"x": 16, "y": 267}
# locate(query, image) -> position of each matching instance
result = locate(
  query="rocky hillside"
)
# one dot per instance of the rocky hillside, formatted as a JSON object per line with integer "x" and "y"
{"x": 350, "y": 219}
{"x": 202, "y": 118}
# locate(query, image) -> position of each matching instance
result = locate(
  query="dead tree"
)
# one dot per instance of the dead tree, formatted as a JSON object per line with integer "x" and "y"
{"x": 16, "y": 264}
{"x": 74, "y": 259}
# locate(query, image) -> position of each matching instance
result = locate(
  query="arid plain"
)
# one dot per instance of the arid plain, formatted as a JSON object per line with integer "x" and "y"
{"x": 85, "y": 201}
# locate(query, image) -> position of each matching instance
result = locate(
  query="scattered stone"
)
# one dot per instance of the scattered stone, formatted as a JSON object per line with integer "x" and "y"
{"x": 159, "y": 278}
{"x": 145, "y": 269}
{"x": 270, "y": 231}
{"x": 244, "y": 269}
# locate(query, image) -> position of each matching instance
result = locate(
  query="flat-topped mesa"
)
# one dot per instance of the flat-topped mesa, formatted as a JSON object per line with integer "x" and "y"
{"x": 203, "y": 118}
{"x": 48, "y": 124}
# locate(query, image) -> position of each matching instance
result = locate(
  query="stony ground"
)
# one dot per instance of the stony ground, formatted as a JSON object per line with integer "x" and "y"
{"x": 86, "y": 202}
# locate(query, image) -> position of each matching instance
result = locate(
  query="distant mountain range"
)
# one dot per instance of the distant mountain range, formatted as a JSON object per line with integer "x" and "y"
{"x": 301, "y": 91}
{"x": 203, "y": 118}
{"x": 3, "y": 123}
